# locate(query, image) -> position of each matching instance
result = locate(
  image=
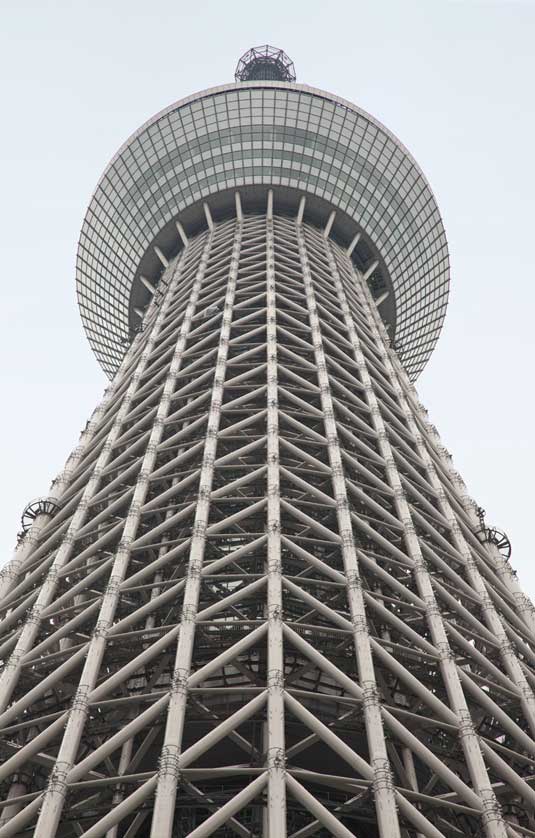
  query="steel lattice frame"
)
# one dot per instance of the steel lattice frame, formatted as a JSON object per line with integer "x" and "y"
{"x": 265, "y": 62}
{"x": 262, "y": 607}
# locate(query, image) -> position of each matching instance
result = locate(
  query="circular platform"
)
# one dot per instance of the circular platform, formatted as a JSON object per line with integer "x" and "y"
{"x": 249, "y": 136}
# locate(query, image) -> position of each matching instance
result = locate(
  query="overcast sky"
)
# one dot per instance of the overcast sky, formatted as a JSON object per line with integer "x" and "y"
{"x": 453, "y": 80}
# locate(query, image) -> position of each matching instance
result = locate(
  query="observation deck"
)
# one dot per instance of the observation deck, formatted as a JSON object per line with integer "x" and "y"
{"x": 264, "y": 131}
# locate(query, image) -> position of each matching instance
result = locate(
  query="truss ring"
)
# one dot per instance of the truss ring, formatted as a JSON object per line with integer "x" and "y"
{"x": 38, "y": 506}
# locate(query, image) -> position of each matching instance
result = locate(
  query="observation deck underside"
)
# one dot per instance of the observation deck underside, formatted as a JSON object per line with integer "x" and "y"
{"x": 251, "y": 136}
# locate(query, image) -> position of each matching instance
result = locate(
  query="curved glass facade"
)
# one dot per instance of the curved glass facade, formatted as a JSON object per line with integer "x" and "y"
{"x": 268, "y": 133}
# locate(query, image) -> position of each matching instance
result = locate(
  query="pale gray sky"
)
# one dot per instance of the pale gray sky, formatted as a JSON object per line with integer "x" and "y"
{"x": 453, "y": 80}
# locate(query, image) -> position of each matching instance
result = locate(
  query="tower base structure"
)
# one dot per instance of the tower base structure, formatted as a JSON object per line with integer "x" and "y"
{"x": 259, "y": 601}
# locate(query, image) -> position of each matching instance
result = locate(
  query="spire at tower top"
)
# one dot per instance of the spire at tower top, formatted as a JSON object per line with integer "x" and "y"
{"x": 265, "y": 63}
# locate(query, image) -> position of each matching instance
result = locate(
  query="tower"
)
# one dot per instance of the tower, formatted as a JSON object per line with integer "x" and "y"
{"x": 258, "y": 600}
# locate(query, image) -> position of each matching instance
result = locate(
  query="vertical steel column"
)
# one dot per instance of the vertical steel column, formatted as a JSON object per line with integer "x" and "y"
{"x": 78, "y": 712}
{"x": 492, "y": 618}
{"x": 164, "y": 805}
{"x": 11, "y": 571}
{"x": 275, "y": 666}
{"x": 10, "y": 674}
{"x": 55, "y": 793}
{"x": 385, "y": 804}
{"x": 525, "y": 608}
{"x": 492, "y": 818}
{"x": 127, "y": 747}
{"x": 124, "y": 759}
